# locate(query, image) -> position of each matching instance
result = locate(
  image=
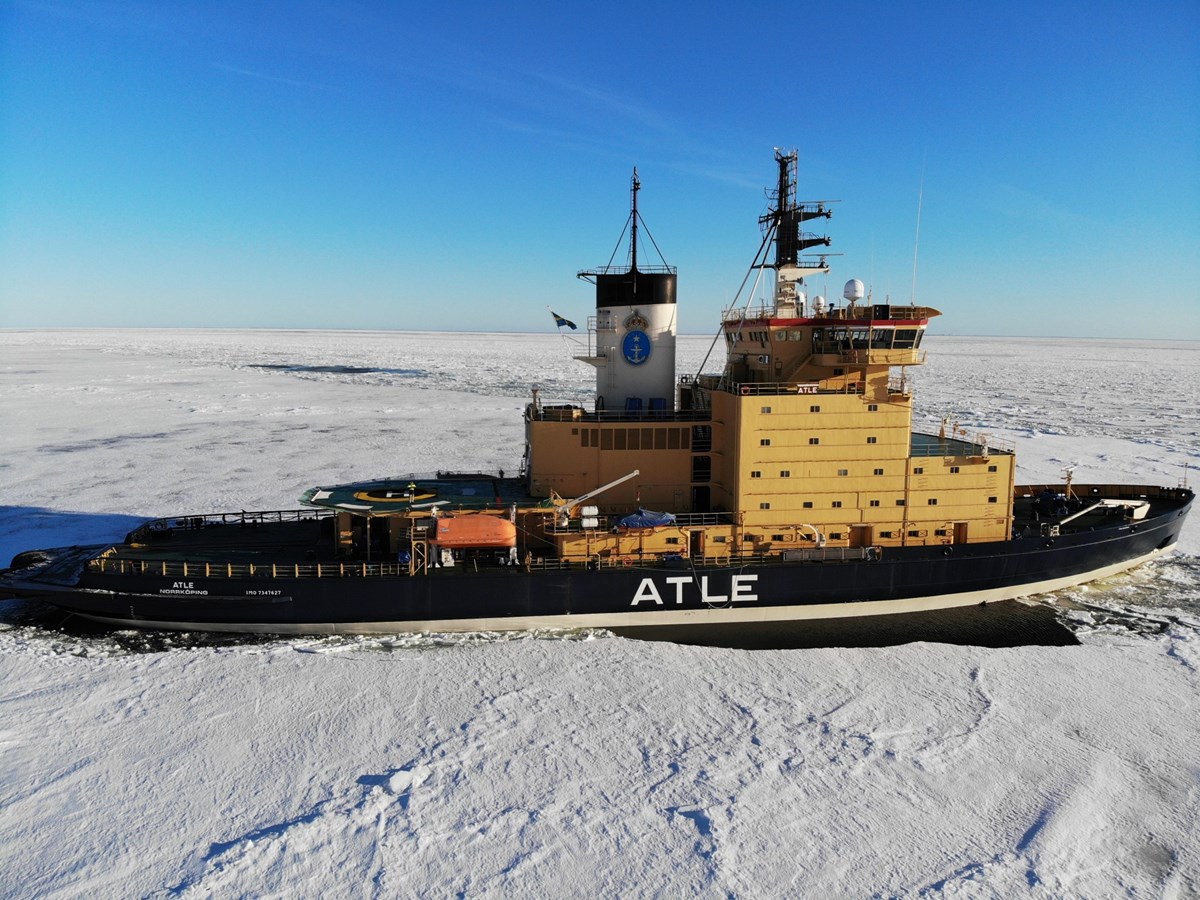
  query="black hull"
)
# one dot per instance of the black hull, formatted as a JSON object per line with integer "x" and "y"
{"x": 680, "y": 598}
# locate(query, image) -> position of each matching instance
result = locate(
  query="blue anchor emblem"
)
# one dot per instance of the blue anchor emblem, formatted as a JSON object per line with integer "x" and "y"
{"x": 636, "y": 348}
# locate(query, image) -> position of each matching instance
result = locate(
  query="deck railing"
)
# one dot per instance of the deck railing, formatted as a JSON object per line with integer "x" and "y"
{"x": 245, "y": 519}
{"x": 111, "y": 564}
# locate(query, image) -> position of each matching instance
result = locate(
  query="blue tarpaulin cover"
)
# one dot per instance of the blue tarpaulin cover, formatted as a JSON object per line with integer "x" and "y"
{"x": 646, "y": 518}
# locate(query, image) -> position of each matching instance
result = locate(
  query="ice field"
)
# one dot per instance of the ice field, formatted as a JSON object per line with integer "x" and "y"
{"x": 583, "y": 765}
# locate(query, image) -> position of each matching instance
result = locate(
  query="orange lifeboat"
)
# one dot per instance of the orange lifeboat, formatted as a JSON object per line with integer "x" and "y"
{"x": 475, "y": 531}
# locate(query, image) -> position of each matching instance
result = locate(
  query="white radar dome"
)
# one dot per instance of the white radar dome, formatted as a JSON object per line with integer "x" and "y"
{"x": 819, "y": 303}
{"x": 853, "y": 291}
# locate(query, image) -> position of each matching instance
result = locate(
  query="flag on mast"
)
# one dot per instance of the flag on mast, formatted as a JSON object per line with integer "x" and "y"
{"x": 560, "y": 321}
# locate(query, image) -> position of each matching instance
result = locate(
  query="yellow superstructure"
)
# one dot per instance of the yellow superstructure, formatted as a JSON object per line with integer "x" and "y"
{"x": 804, "y": 441}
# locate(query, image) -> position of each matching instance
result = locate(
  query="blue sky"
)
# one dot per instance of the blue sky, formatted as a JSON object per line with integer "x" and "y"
{"x": 451, "y": 166}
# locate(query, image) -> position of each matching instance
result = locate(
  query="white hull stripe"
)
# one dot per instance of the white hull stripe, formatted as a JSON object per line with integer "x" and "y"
{"x": 688, "y": 618}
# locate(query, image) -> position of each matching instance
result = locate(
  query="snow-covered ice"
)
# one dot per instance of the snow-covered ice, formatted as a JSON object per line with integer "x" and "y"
{"x": 577, "y": 765}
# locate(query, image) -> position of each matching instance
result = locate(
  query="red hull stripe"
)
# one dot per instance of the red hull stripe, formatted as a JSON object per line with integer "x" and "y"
{"x": 825, "y": 323}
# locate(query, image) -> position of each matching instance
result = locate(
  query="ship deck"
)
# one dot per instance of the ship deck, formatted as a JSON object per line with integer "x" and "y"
{"x": 301, "y": 541}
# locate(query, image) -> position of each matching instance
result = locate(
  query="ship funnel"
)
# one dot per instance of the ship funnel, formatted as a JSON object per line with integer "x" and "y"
{"x": 635, "y": 328}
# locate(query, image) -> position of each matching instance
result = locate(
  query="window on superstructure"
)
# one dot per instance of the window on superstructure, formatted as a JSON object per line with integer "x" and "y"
{"x": 814, "y": 409}
{"x": 874, "y": 502}
{"x": 885, "y": 534}
{"x": 881, "y": 338}
{"x": 872, "y": 440}
{"x": 900, "y": 502}
{"x": 843, "y": 472}
{"x": 719, "y": 539}
{"x": 954, "y": 470}
{"x": 836, "y": 536}
{"x": 764, "y": 506}
{"x": 673, "y": 438}
{"x": 777, "y": 537}
{"x": 672, "y": 540}
{"x": 765, "y": 410}
{"x": 764, "y": 442}
{"x": 839, "y": 371}
{"x": 619, "y": 436}
{"x": 879, "y": 471}
{"x": 919, "y": 470}
{"x": 814, "y": 440}
{"x": 807, "y": 504}
{"x": 940, "y": 532}
{"x": 785, "y": 473}
{"x": 932, "y": 501}
{"x": 872, "y": 407}
{"x": 837, "y": 504}
{"x": 991, "y": 468}
{"x": 635, "y": 439}
{"x": 991, "y": 499}
{"x": 914, "y": 534}
{"x": 756, "y": 474}
{"x": 606, "y": 439}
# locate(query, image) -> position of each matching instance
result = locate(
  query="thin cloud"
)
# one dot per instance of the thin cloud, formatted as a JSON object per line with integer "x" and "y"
{"x": 277, "y": 79}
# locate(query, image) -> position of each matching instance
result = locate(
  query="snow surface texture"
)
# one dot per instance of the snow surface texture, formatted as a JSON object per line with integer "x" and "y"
{"x": 581, "y": 765}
